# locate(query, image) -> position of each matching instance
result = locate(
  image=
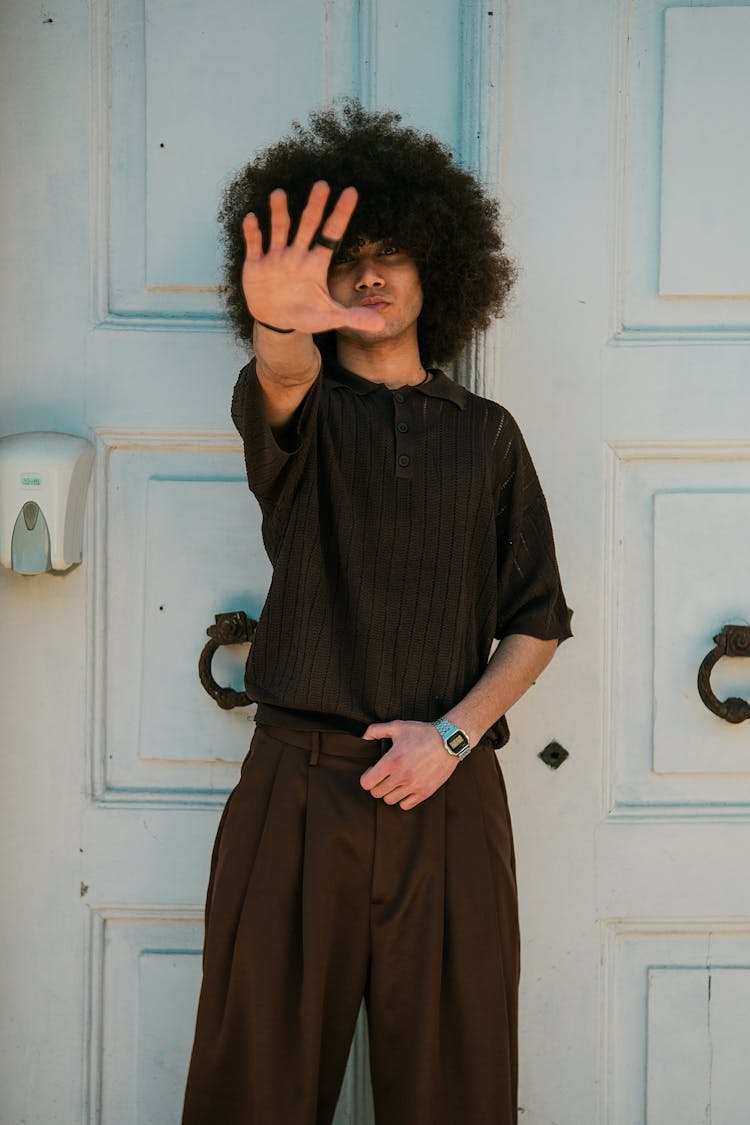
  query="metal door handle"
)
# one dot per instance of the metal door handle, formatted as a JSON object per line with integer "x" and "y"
{"x": 233, "y": 628}
{"x": 733, "y": 640}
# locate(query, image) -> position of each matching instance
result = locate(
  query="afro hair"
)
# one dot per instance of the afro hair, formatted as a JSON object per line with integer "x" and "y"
{"x": 411, "y": 192}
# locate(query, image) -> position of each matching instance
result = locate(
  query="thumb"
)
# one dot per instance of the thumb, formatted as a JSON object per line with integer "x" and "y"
{"x": 366, "y": 320}
{"x": 378, "y": 730}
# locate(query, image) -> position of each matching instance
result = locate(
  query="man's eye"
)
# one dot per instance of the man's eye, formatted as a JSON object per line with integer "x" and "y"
{"x": 389, "y": 249}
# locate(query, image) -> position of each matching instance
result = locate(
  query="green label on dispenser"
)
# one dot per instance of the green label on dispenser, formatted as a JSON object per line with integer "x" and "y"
{"x": 31, "y": 480}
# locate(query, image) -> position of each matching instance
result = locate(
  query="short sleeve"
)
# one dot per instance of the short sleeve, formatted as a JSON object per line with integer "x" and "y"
{"x": 272, "y": 469}
{"x": 530, "y": 595}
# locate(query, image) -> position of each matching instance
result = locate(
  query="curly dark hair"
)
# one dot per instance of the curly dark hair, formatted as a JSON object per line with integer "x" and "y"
{"x": 411, "y": 192}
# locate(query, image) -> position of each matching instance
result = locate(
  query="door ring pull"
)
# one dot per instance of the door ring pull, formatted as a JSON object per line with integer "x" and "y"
{"x": 733, "y": 640}
{"x": 234, "y": 628}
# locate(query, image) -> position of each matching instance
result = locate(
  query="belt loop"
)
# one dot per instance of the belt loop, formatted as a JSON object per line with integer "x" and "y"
{"x": 315, "y": 752}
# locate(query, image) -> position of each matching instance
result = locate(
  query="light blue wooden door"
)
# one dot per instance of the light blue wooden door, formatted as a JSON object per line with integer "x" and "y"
{"x": 182, "y": 99}
{"x": 123, "y": 119}
{"x": 610, "y": 131}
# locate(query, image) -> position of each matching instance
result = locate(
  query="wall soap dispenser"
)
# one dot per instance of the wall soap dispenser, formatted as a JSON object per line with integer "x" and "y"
{"x": 43, "y": 482}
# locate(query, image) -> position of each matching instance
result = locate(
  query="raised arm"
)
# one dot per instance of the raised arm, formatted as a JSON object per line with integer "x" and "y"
{"x": 286, "y": 288}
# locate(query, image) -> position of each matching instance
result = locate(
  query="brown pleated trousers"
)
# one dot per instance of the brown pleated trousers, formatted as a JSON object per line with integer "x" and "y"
{"x": 319, "y": 895}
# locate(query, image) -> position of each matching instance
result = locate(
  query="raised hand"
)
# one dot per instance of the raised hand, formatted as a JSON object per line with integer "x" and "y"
{"x": 288, "y": 285}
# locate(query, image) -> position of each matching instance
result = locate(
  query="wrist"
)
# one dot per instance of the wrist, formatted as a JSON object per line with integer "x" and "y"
{"x": 455, "y": 740}
{"x": 273, "y": 328}
{"x": 466, "y": 723}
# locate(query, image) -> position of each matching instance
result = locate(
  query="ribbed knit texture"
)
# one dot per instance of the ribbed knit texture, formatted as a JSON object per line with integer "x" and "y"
{"x": 406, "y": 530}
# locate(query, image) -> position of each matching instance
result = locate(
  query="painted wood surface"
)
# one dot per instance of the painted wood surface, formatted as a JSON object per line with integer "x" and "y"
{"x": 624, "y": 357}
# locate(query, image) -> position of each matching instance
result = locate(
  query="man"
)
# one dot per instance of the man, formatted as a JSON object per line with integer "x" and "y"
{"x": 367, "y": 849}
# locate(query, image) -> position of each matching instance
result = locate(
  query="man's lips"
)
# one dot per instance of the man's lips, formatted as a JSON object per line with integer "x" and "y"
{"x": 376, "y": 303}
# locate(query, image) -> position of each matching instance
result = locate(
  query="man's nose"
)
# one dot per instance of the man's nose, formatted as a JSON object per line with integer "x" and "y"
{"x": 368, "y": 275}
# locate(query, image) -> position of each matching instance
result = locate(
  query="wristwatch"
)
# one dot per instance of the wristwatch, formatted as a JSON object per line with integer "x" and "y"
{"x": 455, "y": 741}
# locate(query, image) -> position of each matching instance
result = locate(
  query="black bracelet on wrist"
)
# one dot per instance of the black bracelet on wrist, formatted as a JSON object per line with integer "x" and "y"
{"x": 273, "y": 327}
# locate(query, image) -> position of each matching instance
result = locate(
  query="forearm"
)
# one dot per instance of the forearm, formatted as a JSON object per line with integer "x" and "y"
{"x": 514, "y": 666}
{"x": 285, "y": 358}
{"x": 287, "y": 365}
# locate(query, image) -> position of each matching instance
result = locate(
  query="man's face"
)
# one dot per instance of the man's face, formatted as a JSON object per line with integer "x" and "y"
{"x": 380, "y": 276}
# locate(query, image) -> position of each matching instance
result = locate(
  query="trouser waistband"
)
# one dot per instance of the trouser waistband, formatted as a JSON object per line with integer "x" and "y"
{"x": 336, "y": 743}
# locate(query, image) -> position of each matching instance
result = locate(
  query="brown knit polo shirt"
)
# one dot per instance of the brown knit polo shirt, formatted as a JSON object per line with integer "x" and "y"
{"x": 407, "y": 529}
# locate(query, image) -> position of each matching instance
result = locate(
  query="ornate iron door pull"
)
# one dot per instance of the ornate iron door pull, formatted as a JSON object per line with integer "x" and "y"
{"x": 733, "y": 640}
{"x": 234, "y": 628}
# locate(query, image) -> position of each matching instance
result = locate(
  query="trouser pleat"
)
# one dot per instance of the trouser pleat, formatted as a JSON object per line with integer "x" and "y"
{"x": 442, "y": 1002}
{"x": 318, "y": 895}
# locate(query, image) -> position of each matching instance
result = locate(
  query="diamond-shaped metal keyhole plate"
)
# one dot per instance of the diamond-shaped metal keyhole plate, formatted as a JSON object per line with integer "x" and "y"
{"x": 553, "y": 755}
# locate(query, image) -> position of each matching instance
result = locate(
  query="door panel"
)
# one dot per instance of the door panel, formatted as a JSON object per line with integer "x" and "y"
{"x": 679, "y": 543}
{"x": 149, "y": 966}
{"x": 638, "y": 335}
{"x": 680, "y": 1023}
{"x": 181, "y": 101}
{"x": 180, "y": 543}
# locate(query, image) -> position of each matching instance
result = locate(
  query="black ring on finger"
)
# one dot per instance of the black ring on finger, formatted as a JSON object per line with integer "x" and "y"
{"x": 331, "y": 244}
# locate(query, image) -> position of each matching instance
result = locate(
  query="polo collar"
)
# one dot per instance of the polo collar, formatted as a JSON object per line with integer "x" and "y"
{"x": 439, "y": 386}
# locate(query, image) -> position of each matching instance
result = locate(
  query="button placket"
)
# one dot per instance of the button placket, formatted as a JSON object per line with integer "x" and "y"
{"x": 403, "y": 433}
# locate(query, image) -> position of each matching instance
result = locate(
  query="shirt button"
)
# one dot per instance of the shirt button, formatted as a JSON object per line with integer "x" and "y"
{"x": 402, "y": 427}
{"x": 404, "y": 461}
{"x": 399, "y": 397}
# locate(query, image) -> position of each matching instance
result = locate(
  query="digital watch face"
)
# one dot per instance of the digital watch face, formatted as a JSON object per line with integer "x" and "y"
{"x": 456, "y": 742}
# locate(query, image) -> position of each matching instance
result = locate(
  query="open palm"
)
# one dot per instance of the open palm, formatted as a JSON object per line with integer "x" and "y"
{"x": 287, "y": 286}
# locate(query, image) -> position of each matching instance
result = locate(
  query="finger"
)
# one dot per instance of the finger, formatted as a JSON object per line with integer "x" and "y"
{"x": 413, "y": 800}
{"x": 338, "y": 220}
{"x": 395, "y": 778}
{"x": 312, "y": 216}
{"x": 375, "y": 775}
{"x": 400, "y": 793}
{"x": 253, "y": 238}
{"x": 365, "y": 320}
{"x": 280, "y": 222}
{"x": 390, "y": 785}
{"x": 376, "y": 730}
